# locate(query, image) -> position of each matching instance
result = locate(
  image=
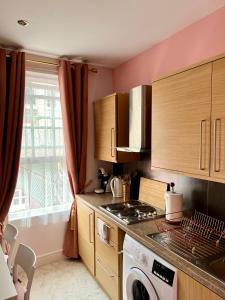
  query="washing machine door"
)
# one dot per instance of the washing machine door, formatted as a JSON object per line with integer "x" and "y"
{"x": 139, "y": 286}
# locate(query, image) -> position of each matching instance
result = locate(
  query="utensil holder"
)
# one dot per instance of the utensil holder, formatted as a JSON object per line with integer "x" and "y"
{"x": 126, "y": 192}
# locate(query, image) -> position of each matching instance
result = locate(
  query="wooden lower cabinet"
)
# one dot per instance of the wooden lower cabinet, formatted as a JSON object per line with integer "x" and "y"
{"x": 86, "y": 235}
{"x": 190, "y": 289}
{"x": 108, "y": 259}
{"x": 109, "y": 281}
{"x": 104, "y": 260}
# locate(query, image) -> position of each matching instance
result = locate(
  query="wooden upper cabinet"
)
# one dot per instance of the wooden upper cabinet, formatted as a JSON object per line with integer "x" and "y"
{"x": 181, "y": 108}
{"x": 105, "y": 128}
{"x": 218, "y": 121}
{"x": 111, "y": 119}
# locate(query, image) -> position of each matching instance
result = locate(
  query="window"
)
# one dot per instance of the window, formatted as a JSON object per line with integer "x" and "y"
{"x": 42, "y": 184}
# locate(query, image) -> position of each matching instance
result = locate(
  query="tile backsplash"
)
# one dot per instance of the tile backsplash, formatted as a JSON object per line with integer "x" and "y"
{"x": 205, "y": 196}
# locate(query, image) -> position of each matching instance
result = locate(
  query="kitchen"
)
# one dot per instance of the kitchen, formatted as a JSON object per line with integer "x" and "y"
{"x": 191, "y": 45}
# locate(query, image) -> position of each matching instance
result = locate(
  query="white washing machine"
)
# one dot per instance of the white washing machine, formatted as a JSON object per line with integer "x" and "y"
{"x": 146, "y": 276}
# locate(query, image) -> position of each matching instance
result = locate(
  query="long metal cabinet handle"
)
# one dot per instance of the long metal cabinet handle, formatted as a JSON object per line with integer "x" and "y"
{"x": 90, "y": 231}
{"x": 215, "y": 146}
{"x": 113, "y": 142}
{"x": 201, "y": 147}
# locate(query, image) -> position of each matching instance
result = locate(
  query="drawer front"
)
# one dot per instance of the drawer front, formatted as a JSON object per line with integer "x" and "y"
{"x": 109, "y": 281}
{"x": 113, "y": 230}
{"x": 108, "y": 251}
{"x": 87, "y": 253}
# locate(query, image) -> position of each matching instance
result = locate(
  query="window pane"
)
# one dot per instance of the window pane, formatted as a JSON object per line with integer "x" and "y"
{"x": 42, "y": 181}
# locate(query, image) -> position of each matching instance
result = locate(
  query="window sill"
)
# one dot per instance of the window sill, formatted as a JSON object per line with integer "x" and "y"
{"x": 41, "y": 212}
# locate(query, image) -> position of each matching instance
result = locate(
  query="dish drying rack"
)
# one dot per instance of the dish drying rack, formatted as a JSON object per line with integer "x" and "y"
{"x": 198, "y": 238}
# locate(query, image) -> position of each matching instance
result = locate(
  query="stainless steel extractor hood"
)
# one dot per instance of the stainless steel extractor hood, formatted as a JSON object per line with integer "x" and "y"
{"x": 139, "y": 120}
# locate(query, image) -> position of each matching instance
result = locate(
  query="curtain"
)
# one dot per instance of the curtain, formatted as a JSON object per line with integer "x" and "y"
{"x": 73, "y": 84}
{"x": 12, "y": 87}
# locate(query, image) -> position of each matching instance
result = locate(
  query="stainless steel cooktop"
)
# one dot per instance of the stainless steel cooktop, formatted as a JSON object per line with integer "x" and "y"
{"x": 131, "y": 212}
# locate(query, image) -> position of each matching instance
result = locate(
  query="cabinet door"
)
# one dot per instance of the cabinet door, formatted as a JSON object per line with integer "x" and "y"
{"x": 109, "y": 281}
{"x": 181, "y": 108}
{"x": 105, "y": 128}
{"x": 111, "y": 117}
{"x": 189, "y": 289}
{"x": 218, "y": 121}
{"x": 86, "y": 235}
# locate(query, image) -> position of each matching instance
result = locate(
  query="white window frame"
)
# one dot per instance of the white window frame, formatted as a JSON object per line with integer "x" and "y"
{"x": 28, "y": 212}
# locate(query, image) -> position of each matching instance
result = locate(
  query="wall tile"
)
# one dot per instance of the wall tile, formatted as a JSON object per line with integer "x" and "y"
{"x": 216, "y": 200}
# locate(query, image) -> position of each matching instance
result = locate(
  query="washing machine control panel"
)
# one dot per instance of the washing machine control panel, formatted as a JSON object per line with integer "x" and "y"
{"x": 162, "y": 272}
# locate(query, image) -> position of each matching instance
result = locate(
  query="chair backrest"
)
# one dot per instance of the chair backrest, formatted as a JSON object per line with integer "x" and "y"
{"x": 9, "y": 235}
{"x": 26, "y": 259}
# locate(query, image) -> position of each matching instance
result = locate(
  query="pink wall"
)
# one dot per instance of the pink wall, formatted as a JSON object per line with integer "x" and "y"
{"x": 44, "y": 234}
{"x": 201, "y": 40}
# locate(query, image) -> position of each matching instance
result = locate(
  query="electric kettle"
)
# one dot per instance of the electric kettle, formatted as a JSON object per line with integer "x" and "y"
{"x": 116, "y": 187}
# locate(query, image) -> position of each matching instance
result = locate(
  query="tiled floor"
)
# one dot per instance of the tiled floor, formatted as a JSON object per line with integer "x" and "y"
{"x": 65, "y": 280}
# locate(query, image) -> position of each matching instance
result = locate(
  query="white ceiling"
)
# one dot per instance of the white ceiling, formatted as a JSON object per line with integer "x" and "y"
{"x": 107, "y": 32}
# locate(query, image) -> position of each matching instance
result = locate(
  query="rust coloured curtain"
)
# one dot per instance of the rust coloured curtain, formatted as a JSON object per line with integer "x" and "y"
{"x": 12, "y": 86}
{"x": 73, "y": 83}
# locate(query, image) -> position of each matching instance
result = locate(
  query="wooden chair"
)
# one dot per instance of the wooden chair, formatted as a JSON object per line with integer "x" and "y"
{"x": 26, "y": 259}
{"x": 9, "y": 242}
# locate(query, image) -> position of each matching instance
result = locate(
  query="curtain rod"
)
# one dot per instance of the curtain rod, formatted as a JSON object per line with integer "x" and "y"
{"x": 91, "y": 69}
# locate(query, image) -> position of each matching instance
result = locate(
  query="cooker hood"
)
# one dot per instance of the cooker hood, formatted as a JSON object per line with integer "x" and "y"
{"x": 139, "y": 120}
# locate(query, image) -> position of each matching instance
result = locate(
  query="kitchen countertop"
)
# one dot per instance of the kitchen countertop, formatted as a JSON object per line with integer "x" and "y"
{"x": 139, "y": 231}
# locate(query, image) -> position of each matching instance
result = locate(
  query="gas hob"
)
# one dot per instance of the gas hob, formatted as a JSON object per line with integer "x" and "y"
{"x": 131, "y": 212}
